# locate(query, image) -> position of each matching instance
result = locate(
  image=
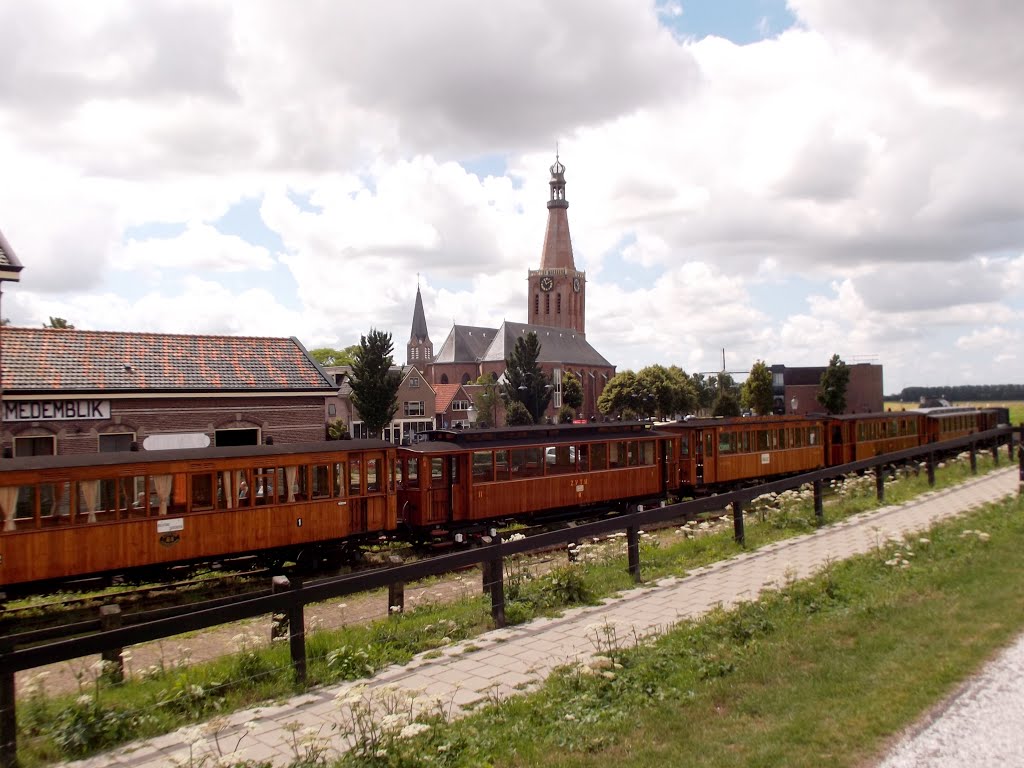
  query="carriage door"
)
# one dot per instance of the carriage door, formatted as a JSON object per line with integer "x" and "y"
{"x": 440, "y": 493}
{"x": 698, "y": 455}
{"x": 837, "y": 446}
{"x": 459, "y": 509}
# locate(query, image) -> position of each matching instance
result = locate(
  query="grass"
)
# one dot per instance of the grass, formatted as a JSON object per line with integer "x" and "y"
{"x": 175, "y": 693}
{"x": 822, "y": 672}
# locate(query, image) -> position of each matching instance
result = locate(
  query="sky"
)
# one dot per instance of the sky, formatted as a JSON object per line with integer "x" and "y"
{"x": 783, "y": 181}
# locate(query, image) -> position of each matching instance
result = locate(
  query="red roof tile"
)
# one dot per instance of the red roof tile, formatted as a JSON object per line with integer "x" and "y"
{"x": 47, "y": 359}
{"x": 445, "y": 394}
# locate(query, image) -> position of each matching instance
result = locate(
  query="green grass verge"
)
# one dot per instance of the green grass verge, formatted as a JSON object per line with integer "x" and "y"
{"x": 822, "y": 672}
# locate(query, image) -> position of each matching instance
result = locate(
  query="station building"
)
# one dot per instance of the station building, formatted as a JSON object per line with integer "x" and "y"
{"x": 71, "y": 391}
{"x": 795, "y": 390}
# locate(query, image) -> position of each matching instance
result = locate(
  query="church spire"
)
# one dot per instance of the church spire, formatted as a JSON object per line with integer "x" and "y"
{"x": 419, "y": 351}
{"x": 557, "y": 243}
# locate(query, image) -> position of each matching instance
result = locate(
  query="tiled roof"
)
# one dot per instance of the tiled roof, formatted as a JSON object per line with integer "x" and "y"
{"x": 557, "y": 345}
{"x": 445, "y": 394}
{"x": 465, "y": 344}
{"x": 48, "y": 360}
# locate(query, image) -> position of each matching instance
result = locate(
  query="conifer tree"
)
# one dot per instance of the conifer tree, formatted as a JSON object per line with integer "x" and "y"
{"x": 374, "y": 384}
{"x": 525, "y": 382}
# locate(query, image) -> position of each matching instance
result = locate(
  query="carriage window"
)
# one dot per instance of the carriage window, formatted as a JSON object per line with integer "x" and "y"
{"x": 527, "y": 462}
{"x": 501, "y": 465}
{"x": 320, "y": 487}
{"x": 583, "y": 457}
{"x": 373, "y": 475}
{"x": 632, "y": 453}
{"x": 670, "y": 449}
{"x": 264, "y": 480}
{"x": 436, "y": 472}
{"x": 762, "y": 440}
{"x": 560, "y": 459}
{"x": 598, "y": 457}
{"x": 25, "y": 509}
{"x": 744, "y": 442}
{"x": 412, "y": 476}
{"x": 55, "y": 503}
{"x": 726, "y": 441}
{"x": 813, "y": 437}
{"x": 353, "y": 477}
{"x": 483, "y": 467}
{"x": 709, "y": 444}
{"x": 202, "y": 492}
{"x": 647, "y": 453}
{"x": 684, "y": 446}
{"x": 783, "y": 443}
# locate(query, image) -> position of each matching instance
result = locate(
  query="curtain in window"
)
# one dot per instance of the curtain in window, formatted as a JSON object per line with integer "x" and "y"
{"x": 225, "y": 481}
{"x": 90, "y": 497}
{"x": 162, "y": 484}
{"x": 8, "y": 500}
{"x": 290, "y": 474}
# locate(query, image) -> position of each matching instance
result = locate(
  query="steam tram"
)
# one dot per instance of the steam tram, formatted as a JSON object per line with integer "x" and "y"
{"x": 65, "y": 517}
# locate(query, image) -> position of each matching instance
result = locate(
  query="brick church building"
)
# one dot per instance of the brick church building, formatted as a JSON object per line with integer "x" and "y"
{"x": 556, "y": 312}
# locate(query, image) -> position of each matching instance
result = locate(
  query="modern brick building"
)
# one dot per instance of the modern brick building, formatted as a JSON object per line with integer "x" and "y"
{"x": 796, "y": 389}
{"x": 74, "y": 391}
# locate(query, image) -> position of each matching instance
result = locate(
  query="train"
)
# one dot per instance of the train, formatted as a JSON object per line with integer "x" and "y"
{"x": 140, "y": 512}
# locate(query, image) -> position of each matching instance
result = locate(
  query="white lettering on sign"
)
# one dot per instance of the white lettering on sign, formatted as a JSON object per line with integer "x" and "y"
{"x": 170, "y": 524}
{"x": 55, "y": 410}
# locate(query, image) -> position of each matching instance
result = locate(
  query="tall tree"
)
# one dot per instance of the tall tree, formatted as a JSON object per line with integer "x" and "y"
{"x": 757, "y": 393}
{"x": 727, "y": 402}
{"x": 834, "y": 382}
{"x": 525, "y": 382}
{"x": 374, "y": 384}
{"x": 704, "y": 390}
{"x": 516, "y": 415}
{"x": 620, "y": 395}
{"x": 572, "y": 391}
{"x": 331, "y": 356}
{"x": 58, "y": 322}
{"x": 656, "y": 395}
{"x": 486, "y": 401}
{"x": 684, "y": 394}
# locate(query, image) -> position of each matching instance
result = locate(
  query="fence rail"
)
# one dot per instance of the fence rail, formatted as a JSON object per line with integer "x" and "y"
{"x": 291, "y": 601}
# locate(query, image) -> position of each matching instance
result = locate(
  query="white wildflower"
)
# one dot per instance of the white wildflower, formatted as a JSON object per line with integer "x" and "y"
{"x": 413, "y": 729}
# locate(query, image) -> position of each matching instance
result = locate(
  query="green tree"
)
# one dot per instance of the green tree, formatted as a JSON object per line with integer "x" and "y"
{"x": 58, "y": 322}
{"x": 525, "y": 382}
{"x": 834, "y": 382}
{"x": 704, "y": 390}
{"x": 516, "y": 414}
{"x": 620, "y": 395}
{"x": 756, "y": 393}
{"x": 727, "y": 401}
{"x": 684, "y": 399}
{"x": 486, "y": 401}
{"x": 337, "y": 430}
{"x": 566, "y": 414}
{"x": 331, "y": 356}
{"x": 374, "y": 384}
{"x": 572, "y": 391}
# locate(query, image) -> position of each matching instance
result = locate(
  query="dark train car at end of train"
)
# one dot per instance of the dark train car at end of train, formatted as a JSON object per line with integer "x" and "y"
{"x": 139, "y": 512}
{"x": 461, "y": 481}
{"x": 718, "y": 453}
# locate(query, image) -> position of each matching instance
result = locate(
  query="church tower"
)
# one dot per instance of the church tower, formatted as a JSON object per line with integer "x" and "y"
{"x": 419, "y": 351}
{"x": 557, "y": 291}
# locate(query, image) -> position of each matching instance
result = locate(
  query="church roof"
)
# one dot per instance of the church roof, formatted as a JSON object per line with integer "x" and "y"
{"x": 419, "y": 320}
{"x": 465, "y": 344}
{"x": 557, "y": 345}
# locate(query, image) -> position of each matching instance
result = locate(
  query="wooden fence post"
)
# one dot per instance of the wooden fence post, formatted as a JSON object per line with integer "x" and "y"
{"x": 279, "y": 621}
{"x": 995, "y": 452}
{"x": 113, "y": 663}
{"x": 633, "y": 552}
{"x": 974, "y": 458}
{"x": 297, "y": 631}
{"x": 819, "y": 503}
{"x": 880, "y": 482}
{"x": 737, "y": 523}
{"x": 8, "y": 716}
{"x": 497, "y": 584}
{"x": 931, "y": 469}
{"x": 396, "y": 597}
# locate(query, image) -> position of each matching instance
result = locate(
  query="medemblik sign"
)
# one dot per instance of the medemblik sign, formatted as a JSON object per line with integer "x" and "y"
{"x": 55, "y": 410}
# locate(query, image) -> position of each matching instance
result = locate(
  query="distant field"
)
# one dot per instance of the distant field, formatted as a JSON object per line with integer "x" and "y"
{"x": 1016, "y": 407}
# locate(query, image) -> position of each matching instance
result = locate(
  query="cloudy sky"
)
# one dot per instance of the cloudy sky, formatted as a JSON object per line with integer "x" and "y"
{"x": 782, "y": 180}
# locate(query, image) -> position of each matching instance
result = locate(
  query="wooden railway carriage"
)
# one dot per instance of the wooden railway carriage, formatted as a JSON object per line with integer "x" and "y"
{"x": 69, "y": 516}
{"x": 853, "y": 437}
{"x": 457, "y": 477}
{"x": 948, "y": 423}
{"x": 724, "y": 451}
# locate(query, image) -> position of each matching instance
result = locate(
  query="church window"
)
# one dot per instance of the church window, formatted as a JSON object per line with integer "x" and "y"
{"x": 547, "y": 303}
{"x": 444, "y": 378}
{"x": 558, "y": 304}
{"x": 536, "y": 304}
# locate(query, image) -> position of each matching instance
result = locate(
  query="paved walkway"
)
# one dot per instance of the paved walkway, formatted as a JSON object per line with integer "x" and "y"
{"x": 507, "y": 661}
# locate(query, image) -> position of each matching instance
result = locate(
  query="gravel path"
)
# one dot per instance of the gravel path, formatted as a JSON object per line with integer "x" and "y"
{"x": 980, "y": 725}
